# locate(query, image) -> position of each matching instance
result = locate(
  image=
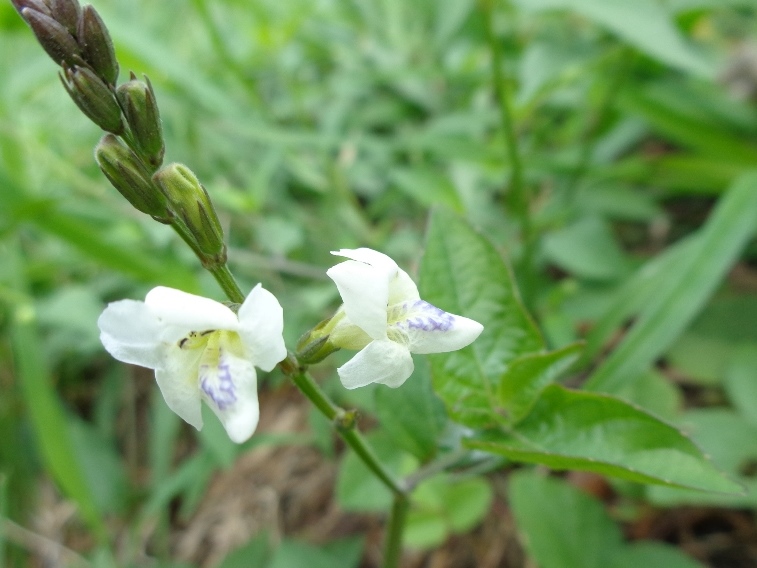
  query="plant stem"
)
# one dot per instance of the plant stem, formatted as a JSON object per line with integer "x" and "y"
{"x": 346, "y": 424}
{"x": 503, "y": 91}
{"x": 226, "y": 280}
{"x": 394, "y": 531}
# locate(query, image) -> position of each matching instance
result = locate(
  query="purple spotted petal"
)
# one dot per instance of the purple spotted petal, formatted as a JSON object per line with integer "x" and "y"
{"x": 429, "y": 329}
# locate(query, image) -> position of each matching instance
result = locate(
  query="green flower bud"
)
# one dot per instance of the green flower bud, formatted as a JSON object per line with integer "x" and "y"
{"x": 190, "y": 201}
{"x": 130, "y": 177}
{"x": 315, "y": 345}
{"x": 36, "y": 5}
{"x": 96, "y": 45}
{"x": 66, "y": 13}
{"x": 138, "y": 103}
{"x": 94, "y": 98}
{"x": 53, "y": 37}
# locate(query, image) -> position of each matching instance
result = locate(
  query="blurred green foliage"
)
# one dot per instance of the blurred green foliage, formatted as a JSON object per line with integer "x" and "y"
{"x": 317, "y": 125}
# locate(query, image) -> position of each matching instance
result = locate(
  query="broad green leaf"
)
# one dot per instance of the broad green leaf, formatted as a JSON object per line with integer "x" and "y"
{"x": 642, "y": 23}
{"x": 254, "y": 553}
{"x": 564, "y": 527}
{"x": 686, "y": 287}
{"x": 741, "y": 383}
{"x": 528, "y": 375}
{"x": 412, "y": 416}
{"x": 655, "y": 393}
{"x": 461, "y": 272}
{"x": 586, "y": 249}
{"x": 595, "y": 432}
{"x": 651, "y": 555}
{"x": 338, "y": 554}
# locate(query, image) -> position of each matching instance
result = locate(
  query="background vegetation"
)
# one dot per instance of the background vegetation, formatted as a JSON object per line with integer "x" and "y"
{"x": 317, "y": 125}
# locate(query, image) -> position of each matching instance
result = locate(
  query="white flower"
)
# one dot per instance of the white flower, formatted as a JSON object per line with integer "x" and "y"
{"x": 384, "y": 316}
{"x": 200, "y": 350}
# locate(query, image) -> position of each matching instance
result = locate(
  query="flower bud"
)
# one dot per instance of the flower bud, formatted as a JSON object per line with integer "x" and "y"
{"x": 96, "y": 45}
{"x": 130, "y": 177}
{"x": 36, "y": 5}
{"x": 94, "y": 98}
{"x": 66, "y": 13}
{"x": 190, "y": 201}
{"x": 138, "y": 103}
{"x": 54, "y": 38}
{"x": 314, "y": 346}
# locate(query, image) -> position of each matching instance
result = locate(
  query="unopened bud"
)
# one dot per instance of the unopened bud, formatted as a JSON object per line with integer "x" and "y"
{"x": 130, "y": 177}
{"x": 94, "y": 98}
{"x": 96, "y": 45}
{"x": 314, "y": 346}
{"x": 138, "y": 103}
{"x": 66, "y": 13}
{"x": 190, "y": 201}
{"x": 54, "y": 38}
{"x": 36, "y": 5}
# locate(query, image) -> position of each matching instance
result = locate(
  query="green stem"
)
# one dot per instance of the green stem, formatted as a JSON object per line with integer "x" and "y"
{"x": 345, "y": 422}
{"x": 393, "y": 543}
{"x": 226, "y": 280}
{"x": 503, "y": 91}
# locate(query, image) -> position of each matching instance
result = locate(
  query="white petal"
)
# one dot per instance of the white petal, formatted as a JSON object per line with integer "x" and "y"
{"x": 131, "y": 333}
{"x": 365, "y": 293}
{"x": 231, "y": 391}
{"x": 182, "y": 312}
{"x": 382, "y": 361}
{"x": 261, "y": 323}
{"x": 177, "y": 379}
{"x": 402, "y": 288}
{"x": 369, "y": 256}
{"x": 431, "y": 330}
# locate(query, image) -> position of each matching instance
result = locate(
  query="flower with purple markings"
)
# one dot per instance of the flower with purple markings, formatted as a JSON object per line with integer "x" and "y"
{"x": 384, "y": 317}
{"x": 200, "y": 350}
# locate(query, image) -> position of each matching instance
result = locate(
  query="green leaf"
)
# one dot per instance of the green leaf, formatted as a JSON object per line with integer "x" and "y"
{"x": 741, "y": 383}
{"x": 595, "y": 432}
{"x": 442, "y": 507}
{"x": 564, "y": 527}
{"x": 651, "y": 555}
{"x": 461, "y": 272}
{"x": 528, "y": 375}
{"x": 586, "y": 249}
{"x": 47, "y": 417}
{"x": 426, "y": 186}
{"x": 345, "y": 553}
{"x": 413, "y": 416}
{"x": 686, "y": 286}
{"x": 643, "y": 23}
{"x": 732, "y": 442}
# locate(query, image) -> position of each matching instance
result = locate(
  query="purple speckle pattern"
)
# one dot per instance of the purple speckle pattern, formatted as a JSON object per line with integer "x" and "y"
{"x": 420, "y": 315}
{"x": 218, "y": 385}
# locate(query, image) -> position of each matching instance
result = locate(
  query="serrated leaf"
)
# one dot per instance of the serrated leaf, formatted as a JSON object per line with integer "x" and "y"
{"x": 684, "y": 286}
{"x": 461, "y": 272}
{"x": 595, "y": 432}
{"x": 528, "y": 375}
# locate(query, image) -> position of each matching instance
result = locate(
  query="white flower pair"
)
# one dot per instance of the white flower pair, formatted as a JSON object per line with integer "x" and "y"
{"x": 201, "y": 350}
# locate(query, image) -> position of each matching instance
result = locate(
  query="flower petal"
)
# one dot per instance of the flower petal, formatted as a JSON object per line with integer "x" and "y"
{"x": 402, "y": 288}
{"x": 369, "y": 256}
{"x": 182, "y": 312}
{"x": 261, "y": 323}
{"x": 431, "y": 330}
{"x": 177, "y": 379}
{"x": 383, "y": 361}
{"x": 365, "y": 292}
{"x": 231, "y": 390}
{"x": 131, "y": 333}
